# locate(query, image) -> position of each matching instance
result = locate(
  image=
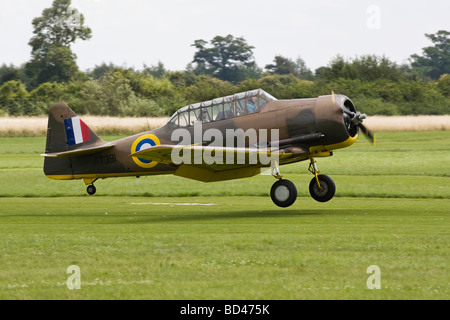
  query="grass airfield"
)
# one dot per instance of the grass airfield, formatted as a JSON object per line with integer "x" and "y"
{"x": 166, "y": 237}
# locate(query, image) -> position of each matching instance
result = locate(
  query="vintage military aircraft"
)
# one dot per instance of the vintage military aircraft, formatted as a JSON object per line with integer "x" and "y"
{"x": 226, "y": 138}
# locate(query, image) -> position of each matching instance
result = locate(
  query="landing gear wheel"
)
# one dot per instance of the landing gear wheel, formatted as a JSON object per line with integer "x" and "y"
{"x": 283, "y": 193}
{"x": 325, "y": 192}
{"x": 91, "y": 189}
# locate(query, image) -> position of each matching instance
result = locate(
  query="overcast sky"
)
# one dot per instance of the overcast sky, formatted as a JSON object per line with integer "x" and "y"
{"x": 136, "y": 32}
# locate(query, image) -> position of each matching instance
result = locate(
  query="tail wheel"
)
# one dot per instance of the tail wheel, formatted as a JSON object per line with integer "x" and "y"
{"x": 283, "y": 193}
{"x": 91, "y": 189}
{"x": 326, "y": 190}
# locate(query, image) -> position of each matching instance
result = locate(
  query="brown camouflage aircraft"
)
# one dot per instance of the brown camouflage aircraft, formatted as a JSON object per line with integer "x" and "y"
{"x": 227, "y": 138}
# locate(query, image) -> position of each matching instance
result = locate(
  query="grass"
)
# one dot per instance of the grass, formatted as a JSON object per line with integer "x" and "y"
{"x": 223, "y": 252}
{"x": 145, "y": 239}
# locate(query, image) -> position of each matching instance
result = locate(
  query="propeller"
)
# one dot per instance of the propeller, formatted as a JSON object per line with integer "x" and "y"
{"x": 354, "y": 119}
{"x": 369, "y": 134}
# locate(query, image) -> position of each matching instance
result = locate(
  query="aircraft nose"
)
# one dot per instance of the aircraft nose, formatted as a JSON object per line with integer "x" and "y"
{"x": 353, "y": 120}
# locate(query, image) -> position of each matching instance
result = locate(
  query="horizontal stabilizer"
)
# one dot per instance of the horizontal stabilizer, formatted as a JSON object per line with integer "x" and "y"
{"x": 79, "y": 152}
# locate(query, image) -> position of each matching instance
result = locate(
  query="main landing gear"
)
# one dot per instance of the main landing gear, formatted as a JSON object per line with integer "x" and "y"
{"x": 284, "y": 192}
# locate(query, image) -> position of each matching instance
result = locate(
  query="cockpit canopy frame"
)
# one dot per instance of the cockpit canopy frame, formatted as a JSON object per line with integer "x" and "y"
{"x": 221, "y": 108}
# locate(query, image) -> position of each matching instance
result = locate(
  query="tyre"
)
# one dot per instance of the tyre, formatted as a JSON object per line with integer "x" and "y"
{"x": 325, "y": 192}
{"x": 91, "y": 189}
{"x": 283, "y": 193}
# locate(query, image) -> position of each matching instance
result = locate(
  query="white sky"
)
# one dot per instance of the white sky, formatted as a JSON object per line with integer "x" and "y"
{"x": 133, "y": 32}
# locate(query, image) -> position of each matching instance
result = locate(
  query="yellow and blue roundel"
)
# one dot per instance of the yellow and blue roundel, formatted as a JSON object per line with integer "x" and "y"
{"x": 144, "y": 142}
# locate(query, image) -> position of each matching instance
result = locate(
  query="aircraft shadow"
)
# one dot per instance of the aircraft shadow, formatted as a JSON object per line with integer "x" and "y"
{"x": 250, "y": 214}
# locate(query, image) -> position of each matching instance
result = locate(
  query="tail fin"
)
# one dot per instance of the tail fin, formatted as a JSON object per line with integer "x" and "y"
{"x": 66, "y": 132}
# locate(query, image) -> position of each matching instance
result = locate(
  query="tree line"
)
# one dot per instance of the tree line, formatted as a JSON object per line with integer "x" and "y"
{"x": 222, "y": 66}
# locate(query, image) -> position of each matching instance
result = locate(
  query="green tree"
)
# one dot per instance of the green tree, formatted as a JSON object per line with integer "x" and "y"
{"x": 14, "y": 99}
{"x": 47, "y": 94}
{"x": 282, "y": 66}
{"x": 207, "y": 88}
{"x": 303, "y": 72}
{"x": 364, "y": 68}
{"x": 435, "y": 60}
{"x": 113, "y": 95}
{"x": 228, "y": 58}
{"x": 285, "y": 86}
{"x": 157, "y": 71}
{"x": 102, "y": 70}
{"x": 54, "y": 32}
{"x": 57, "y": 65}
{"x": 8, "y": 73}
{"x": 444, "y": 85}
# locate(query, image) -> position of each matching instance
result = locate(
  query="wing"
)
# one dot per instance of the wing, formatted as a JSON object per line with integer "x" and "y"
{"x": 207, "y": 163}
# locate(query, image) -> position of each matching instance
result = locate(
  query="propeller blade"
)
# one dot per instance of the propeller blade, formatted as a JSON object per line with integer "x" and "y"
{"x": 369, "y": 134}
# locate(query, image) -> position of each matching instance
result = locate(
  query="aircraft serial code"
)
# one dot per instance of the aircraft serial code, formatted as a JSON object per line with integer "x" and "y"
{"x": 106, "y": 159}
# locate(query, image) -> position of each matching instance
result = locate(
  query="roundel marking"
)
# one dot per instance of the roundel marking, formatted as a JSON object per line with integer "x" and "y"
{"x": 144, "y": 142}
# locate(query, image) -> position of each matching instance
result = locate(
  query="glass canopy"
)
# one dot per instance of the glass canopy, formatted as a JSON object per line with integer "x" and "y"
{"x": 221, "y": 108}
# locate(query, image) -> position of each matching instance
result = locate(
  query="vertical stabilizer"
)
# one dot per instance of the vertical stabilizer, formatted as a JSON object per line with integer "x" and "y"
{"x": 65, "y": 132}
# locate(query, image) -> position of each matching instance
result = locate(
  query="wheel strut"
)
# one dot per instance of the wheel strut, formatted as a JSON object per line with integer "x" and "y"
{"x": 276, "y": 170}
{"x": 313, "y": 169}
